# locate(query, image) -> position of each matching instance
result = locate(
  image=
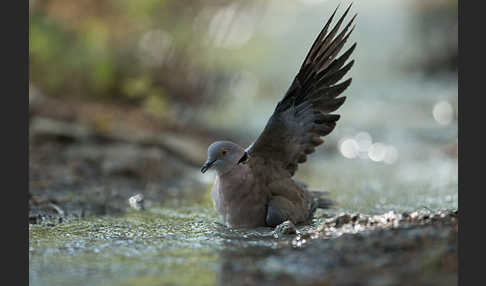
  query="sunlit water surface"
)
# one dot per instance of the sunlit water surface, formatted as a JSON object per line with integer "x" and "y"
{"x": 170, "y": 245}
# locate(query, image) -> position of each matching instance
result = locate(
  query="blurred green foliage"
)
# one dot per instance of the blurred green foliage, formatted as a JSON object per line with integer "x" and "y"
{"x": 151, "y": 52}
{"x": 74, "y": 58}
{"x": 173, "y": 55}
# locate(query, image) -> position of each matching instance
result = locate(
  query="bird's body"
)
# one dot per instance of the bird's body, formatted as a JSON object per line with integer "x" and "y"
{"x": 244, "y": 194}
{"x": 255, "y": 187}
{"x": 239, "y": 200}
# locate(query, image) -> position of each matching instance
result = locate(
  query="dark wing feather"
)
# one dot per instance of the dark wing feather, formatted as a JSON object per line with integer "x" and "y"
{"x": 302, "y": 116}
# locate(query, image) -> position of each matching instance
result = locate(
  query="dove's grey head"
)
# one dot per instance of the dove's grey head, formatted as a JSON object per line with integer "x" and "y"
{"x": 223, "y": 156}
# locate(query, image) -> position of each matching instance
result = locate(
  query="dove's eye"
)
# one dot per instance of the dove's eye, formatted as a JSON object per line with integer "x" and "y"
{"x": 224, "y": 151}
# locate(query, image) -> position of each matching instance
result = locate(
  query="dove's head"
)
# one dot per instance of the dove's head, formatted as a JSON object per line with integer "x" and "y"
{"x": 223, "y": 156}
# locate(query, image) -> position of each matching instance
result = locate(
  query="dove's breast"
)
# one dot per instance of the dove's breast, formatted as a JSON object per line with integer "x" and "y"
{"x": 239, "y": 199}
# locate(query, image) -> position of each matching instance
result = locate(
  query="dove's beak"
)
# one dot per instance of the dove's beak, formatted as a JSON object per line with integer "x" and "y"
{"x": 206, "y": 166}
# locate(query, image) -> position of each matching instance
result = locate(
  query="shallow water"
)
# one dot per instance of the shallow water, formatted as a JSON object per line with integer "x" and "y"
{"x": 170, "y": 245}
{"x": 175, "y": 245}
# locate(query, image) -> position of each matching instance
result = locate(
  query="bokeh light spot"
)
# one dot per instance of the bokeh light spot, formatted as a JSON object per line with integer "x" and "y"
{"x": 443, "y": 112}
{"x": 349, "y": 148}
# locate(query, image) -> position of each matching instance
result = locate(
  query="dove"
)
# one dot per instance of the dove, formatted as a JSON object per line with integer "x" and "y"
{"x": 255, "y": 186}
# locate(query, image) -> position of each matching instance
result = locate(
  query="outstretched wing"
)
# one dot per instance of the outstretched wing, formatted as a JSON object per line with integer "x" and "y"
{"x": 303, "y": 115}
